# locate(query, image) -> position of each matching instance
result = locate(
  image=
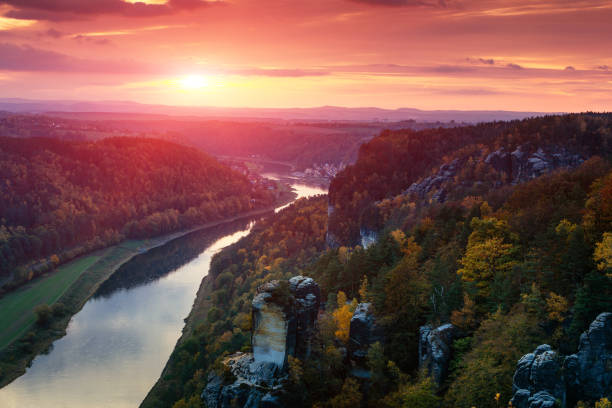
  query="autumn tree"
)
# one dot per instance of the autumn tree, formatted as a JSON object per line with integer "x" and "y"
{"x": 342, "y": 316}
{"x": 489, "y": 258}
{"x": 603, "y": 254}
{"x": 349, "y": 397}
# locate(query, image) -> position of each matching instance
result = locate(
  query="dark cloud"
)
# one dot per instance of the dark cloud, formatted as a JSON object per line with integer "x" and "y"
{"x": 27, "y": 58}
{"x": 53, "y": 33}
{"x": 570, "y": 68}
{"x": 603, "y": 67}
{"x": 486, "y": 61}
{"x": 92, "y": 40}
{"x": 514, "y": 66}
{"x": 58, "y": 10}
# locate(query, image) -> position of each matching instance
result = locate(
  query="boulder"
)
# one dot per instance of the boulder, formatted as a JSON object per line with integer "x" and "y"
{"x": 363, "y": 332}
{"x": 543, "y": 377}
{"x": 435, "y": 350}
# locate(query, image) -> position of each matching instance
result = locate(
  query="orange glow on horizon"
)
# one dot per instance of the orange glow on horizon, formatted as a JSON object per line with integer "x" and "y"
{"x": 493, "y": 54}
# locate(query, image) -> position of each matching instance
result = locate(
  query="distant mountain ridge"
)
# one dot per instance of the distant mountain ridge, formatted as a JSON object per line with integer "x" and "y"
{"x": 317, "y": 113}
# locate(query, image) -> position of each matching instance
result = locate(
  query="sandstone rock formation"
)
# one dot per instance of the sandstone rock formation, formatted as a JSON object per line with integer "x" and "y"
{"x": 284, "y": 316}
{"x": 368, "y": 237}
{"x": 253, "y": 388}
{"x": 519, "y": 165}
{"x": 435, "y": 350}
{"x": 363, "y": 332}
{"x": 273, "y": 337}
{"x": 307, "y": 302}
{"x": 543, "y": 378}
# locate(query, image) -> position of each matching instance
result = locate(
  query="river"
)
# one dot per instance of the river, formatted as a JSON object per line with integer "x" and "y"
{"x": 117, "y": 345}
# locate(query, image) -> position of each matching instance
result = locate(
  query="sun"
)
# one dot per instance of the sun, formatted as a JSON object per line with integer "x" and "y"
{"x": 192, "y": 82}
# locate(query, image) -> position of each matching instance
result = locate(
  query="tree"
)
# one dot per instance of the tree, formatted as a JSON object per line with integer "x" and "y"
{"x": 487, "y": 369}
{"x": 44, "y": 313}
{"x": 421, "y": 394}
{"x": 377, "y": 363}
{"x": 603, "y": 254}
{"x": 363, "y": 290}
{"x": 342, "y": 316}
{"x": 489, "y": 257}
{"x": 349, "y": 397}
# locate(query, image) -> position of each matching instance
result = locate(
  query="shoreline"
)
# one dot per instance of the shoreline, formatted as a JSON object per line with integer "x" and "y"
{"x": 16, "y": 357}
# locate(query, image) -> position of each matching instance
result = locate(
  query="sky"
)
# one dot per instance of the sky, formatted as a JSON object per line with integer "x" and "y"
{"x": 546, "y": 56}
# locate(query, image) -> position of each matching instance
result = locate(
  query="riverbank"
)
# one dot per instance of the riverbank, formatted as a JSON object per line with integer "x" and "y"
{"x": 28, "y": 339}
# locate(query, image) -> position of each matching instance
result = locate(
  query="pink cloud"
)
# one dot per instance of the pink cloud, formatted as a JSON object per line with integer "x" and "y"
{"x": 59, "y": 10}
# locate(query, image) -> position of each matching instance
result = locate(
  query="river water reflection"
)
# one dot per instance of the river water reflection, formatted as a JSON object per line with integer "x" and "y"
{"x": 118, "y": 344}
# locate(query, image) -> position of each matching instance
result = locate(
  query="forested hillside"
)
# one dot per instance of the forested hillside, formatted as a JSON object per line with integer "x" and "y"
{"x": 60, "y": 199}
{"x": 509, "y": 239}
{"x": 391, "y": 162}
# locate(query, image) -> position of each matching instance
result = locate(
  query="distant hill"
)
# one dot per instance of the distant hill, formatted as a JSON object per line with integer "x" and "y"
{"x": 317, "y": 113}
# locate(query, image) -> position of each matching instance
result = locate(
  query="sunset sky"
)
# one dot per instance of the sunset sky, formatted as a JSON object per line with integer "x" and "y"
{"x": 551, "y": 55}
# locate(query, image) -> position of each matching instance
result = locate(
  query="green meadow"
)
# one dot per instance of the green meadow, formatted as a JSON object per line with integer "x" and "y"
{"x": 17, "y": 308}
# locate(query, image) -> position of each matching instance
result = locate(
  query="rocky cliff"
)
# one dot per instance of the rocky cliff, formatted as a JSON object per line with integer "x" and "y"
{"x": 520, "y": 165}
{"x": 363, "y": 332}
{"x": 435, "y": 350}
{"x": 284, "y": 316}
{"x": 545, "y": 378}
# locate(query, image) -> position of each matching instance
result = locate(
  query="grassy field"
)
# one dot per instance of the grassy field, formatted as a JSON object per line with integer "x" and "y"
{"x": 17, "y": 308}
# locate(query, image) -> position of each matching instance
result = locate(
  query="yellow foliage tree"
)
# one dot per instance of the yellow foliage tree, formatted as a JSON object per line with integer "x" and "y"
{"x": 363, "y": 290}
{"x": 342, "y": 316}
{"x": 603, "y": 403}
{"x": 556, "y": 307}
{"x": 483, "y": 260}
{"x": 603, "y": 253}
{"x": 54, "y": 259}
{"x": 466, "y": 317}
{"x": 398, "y": 236}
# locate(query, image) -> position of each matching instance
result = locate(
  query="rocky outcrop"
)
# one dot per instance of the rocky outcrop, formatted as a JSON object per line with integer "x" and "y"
{"x": 446, "y": 173}
{"x": 273, "y": 337}
{"x": 363, "y": 332}
{"x": 284, "y": 316}
{"x": 307, "y": 302}
{"x": 368, "y": 237}
{"x": 543, "y": 377}
{"x": 589, "y": 371}
{"x": 435, "y": 350}
{"x": 254, "y": 382}
{"x": 330, "y": 239}
{"x": 519, "y": 165}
